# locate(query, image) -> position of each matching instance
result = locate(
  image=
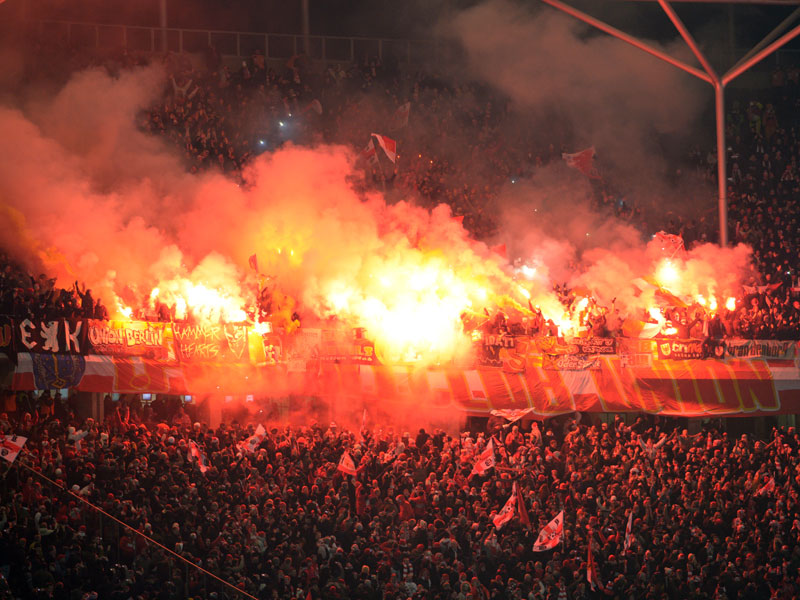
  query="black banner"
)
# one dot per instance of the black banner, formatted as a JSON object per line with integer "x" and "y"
{"x": 7, "y": 336}
{"x": 51, "y": 337}
{"x": 491, "y": 345}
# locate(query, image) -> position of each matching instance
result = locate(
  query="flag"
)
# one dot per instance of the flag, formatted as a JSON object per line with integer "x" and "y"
{"x": 499, "y": 249}
{"x": 583, "y": 161}
{"x": 196, "y": 454}
{"x": 316, "y": 106}
{"x": 253, "y": 260}
{"x": 254, "y": 441}
{"x": 512, "y": 415}
{"x": 550, "y": 535}
{"x": 388, "y": 145}
{"x": 508, "y": 511}
{"x": 77, "y": 436}
{"x": 768, "y": 487}
{"x": 591, "y": 569}
{"x": 346, "y": 464}
{"x": 400, "y": 116}
{"x": 11, "y": 446}
{"x": 369, "y": 154}
{"x": 521, "y": 510}
{"x": 486, "y": 460}
{"x": 670, "y": 243}
{"x": 634, "y": 328}
{"x": 628, "y": 530}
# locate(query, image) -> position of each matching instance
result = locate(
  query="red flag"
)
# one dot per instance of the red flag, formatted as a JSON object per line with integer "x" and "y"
{"x": 550, "y": 535}
{"x": 591, "y": 569}
{"x": 196, "y": 454}
{"x": 253, "y": 261}
{"x": 508, "y": 511}
{"x": 400, "y": 117}
{"x": 346, "y": 464}
{"x": 499, "y": 249}
{"x": 388, "y": 145}
{"x": 486, "y": 460}
{"x": 369, "y": 153}
{"x": 254, "y": 441}
{"x": 11, "y": 446}
{"x": 768, "y": 488}
{"x": 583, "y": 161}
{"x": 628, "y": 530}
{"x": 521, "y": 510}
{"x": 316, "y": 106}
{"x": 670, "y": 243}
{"x": 459, "y": 219}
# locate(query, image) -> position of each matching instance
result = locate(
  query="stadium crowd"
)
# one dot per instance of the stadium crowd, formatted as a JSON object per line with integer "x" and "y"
{"x": 713, "y": 516}
{"x": 458, "y": 147}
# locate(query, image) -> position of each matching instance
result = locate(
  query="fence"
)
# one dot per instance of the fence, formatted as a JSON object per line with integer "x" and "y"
{"x": 240, "y": 44}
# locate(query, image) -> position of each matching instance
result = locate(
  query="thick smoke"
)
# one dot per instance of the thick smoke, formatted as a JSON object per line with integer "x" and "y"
{"x": 583, "y": 88}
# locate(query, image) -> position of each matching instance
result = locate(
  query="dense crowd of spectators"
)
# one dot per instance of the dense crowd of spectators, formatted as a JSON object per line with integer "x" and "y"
{"x": 459, "y": 147}
{"x": 24, "y": 296}
{"x": 713, "y": 516}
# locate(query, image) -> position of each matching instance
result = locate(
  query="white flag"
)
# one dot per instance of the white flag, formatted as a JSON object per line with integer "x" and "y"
{"x": 550, "y": 535}
{"x": 388, "y": 145}
{"x": 11, "y": 446}
{"x": 486, "y": 460}
{"x": 254, "y": 441}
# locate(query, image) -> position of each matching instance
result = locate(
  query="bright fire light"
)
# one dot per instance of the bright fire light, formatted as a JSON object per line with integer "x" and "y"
{"x": 667, "y": 273}
{"x": 730, "y": 303}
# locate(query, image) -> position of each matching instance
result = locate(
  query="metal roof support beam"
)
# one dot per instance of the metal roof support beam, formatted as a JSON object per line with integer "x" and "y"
{"x": 756, "y": 55}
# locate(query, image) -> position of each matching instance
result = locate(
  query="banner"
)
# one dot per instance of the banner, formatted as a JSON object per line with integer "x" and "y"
{"x": 132, "y": 338}
{"x": 218, "y": 343}
{"x": 680, "y": 349}
{"x": 570, "y": 362}
{"x": 7, "y": 336}
{"x": 781, "y": 350}
{"x": 57, "y": 371}
{"x": 53, "y": 337}
{"x": 344, "y": 347}
{"x": 595, "y": 345}
{"x": 490, "y": 349}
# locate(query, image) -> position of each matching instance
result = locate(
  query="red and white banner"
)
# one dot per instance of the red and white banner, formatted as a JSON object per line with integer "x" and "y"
{"x": 346, "y": 464}
{"x": 11, "y": 446}
{"x": 485, "y": 461}
{"x": 388, "y": 145}
{"x": 550, "y": 535}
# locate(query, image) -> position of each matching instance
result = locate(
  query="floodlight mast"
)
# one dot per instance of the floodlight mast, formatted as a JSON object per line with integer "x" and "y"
{"x": 756, "y": 55}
